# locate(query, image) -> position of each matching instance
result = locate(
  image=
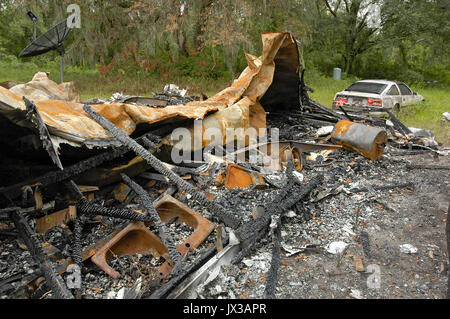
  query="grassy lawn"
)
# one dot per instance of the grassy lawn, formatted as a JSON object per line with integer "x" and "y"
{"x": 426, "y": 115}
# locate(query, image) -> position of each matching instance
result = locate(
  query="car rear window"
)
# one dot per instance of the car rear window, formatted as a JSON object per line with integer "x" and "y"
{"x": 367, "y": 87}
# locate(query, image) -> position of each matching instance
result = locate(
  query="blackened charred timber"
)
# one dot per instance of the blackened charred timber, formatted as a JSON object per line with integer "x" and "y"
{"x": 253, "y": 227}
{"x": 250, "y": 245}
{"x": 53, "y": 280}
{"x": 35, "y": 117}
{"x": 77, "y": 247}
{"x": 148, "y": 143}
{"x": 224, "y": 216}
{"x": 399, "y": 126}
{"x": 160, "y": 226}
{"x": 54, "y": 177}
{"x": 325, "y": 110}
{"x": 86, "y": 207}
{"x": 271, "y": 283}
{"x": 400, "y": 152}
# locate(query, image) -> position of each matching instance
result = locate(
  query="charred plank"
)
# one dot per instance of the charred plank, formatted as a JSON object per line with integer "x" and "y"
{"x": 53, "y": 279}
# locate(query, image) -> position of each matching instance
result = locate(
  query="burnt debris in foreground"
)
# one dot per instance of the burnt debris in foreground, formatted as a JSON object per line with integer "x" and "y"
{"x": 99, "y": 210}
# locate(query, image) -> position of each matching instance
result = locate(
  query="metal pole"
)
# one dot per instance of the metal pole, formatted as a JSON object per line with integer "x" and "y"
{"x": 34, "y": 30}
{"x": 61, "y": 67}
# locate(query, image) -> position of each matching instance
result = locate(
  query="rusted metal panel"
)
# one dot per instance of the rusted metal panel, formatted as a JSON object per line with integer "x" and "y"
{"x": 136, "y": 238}
{"x": 366, "y": 140}
{"x": 133, "y": 239}
{"x": 238, "y": 177}
{"x": 42, "y": 88}
{"x": 67, "y": 120}
{"x": 169, "y": 207}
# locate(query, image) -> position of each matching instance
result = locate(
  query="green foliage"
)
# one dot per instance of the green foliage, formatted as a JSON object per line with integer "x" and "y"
{"x": 152, "y": 39}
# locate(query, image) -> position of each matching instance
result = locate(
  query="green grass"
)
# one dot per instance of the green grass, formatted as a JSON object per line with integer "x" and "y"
{"x": 426, "y": 115}
{"x": 91, "y": 84}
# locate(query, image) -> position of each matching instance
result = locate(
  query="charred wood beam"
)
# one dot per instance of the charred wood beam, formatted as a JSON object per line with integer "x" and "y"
{"x": 345, "y": 113}
{"x": 86, "y": 207}
{"x": 160, "y": 226}
{"x": 148, "y": 143}
{"x": 77, "y": 233}
{"x": 271, "y": 283}
{"x": 278, "y": 206}
{"x": 399, "y": 126}
{"x": 325, "y": 110}
{"x": 399, "y": 152}
{"x": 53, "y": 279}
{"x": 250, "y": 245}
{"x": 54, "y": 177}
{"x": 224, "y": 216}
{"x": 35, "y": 117}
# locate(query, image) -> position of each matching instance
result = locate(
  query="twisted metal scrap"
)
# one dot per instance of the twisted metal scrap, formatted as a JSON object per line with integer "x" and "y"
{"x": 148, "y": 205}
{"x": 227, "y": 218}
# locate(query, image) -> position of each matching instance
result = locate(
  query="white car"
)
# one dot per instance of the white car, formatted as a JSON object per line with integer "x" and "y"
{"x": 376, "y": 93}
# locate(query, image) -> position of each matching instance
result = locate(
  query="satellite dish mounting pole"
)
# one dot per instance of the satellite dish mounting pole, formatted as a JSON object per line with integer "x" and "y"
{"x": 61, "y": 62}
{"x": 34, "y": 29}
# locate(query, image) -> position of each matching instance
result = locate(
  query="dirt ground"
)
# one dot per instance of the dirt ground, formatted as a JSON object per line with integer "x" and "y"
{"x": 373, "y": 224}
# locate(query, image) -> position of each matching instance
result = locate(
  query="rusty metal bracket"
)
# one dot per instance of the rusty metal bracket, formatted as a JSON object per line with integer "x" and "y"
{"x": 135, "y": 238}
{"x": 169, "y": 207}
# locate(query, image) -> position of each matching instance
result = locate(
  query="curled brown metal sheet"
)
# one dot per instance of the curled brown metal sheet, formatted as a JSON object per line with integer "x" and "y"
{"x": 239, "y": 177}
{"x": 270, "y": 80}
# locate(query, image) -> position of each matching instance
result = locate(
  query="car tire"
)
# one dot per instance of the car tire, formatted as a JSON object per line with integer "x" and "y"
{"x": 396, "y": 108}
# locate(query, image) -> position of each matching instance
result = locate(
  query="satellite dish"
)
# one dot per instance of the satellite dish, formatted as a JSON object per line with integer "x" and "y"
{"x": 51, "y": 40}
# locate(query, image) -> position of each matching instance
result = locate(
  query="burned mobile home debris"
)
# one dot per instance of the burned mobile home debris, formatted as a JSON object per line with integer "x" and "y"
{"x": 94, "y": 206}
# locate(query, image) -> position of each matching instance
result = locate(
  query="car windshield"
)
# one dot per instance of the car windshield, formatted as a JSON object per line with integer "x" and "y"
{"x": 367, "y": 87}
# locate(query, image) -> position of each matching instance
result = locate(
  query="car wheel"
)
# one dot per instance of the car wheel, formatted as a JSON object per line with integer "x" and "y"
{"x": 396, "y": 108}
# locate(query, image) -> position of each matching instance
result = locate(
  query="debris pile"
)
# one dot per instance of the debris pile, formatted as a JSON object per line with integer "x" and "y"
{"x": 94, "y": 204}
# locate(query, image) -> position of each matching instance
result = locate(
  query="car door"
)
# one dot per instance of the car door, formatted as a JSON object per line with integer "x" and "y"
{"x": 392, "y": 97}
{"x": 406, "y": 93}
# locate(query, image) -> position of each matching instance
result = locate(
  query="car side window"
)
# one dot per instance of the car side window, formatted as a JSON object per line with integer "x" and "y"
{"x": 404, "y": 89}
{"x": 393, "y": 91}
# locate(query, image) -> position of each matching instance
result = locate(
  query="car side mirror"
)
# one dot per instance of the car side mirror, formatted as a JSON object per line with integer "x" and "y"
{"x": 414, "y": 93}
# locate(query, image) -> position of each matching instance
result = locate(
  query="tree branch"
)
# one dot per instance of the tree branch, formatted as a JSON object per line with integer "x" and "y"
{"x": 329, "y": 8}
